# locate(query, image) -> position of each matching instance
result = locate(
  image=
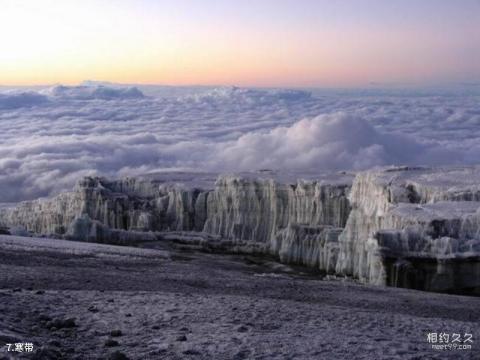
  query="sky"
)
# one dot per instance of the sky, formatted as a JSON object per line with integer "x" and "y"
{"x": 266, "y": 43}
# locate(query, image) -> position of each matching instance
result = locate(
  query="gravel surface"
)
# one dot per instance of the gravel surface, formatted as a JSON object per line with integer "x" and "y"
{"x": 89, "y": 301}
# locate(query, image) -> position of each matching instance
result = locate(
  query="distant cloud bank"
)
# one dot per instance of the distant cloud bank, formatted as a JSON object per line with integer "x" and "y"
{"x": 10, "y": 101}
{"x": 51, "y": 137}
{"x": 94, "y": 92}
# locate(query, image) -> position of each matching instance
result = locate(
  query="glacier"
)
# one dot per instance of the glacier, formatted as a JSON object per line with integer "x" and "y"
{"x": 413, "y": 227}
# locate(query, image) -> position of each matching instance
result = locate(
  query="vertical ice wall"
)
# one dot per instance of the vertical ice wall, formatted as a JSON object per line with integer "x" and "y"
{"x": 414, "y": 227}
{"x": 246, "y": 208}
{"x": 411, "y": 227}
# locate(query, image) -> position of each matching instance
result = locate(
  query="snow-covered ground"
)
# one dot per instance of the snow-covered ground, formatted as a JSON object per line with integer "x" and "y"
{"x": 173, "y": 304}
{"x": 50, "y": 137}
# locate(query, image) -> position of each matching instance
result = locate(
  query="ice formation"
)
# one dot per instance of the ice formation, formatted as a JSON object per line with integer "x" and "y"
{"x": 406, "y": 227}
{"x": 414, "y": 227}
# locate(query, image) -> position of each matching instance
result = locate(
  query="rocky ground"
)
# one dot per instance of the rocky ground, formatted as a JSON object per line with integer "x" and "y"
{"x": 91, "y": 301}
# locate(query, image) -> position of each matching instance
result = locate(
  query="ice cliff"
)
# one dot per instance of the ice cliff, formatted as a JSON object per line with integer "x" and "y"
{"x": 414, "y": 227}
{"x": 408, "y": 227}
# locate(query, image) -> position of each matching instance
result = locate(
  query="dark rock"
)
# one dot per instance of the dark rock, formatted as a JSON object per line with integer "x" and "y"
{"x": 55, "y": 343}
{"x": 70, "y": 322}
{"x": 155, "y": 327}
{"x": 17, "y": 290}
{"x": 44, "y": 317}
{"x": 92, "y": 308}
{"x": 242, "y": 354}
{"x": 116, "y": 333}
{"x": 128, "y": 315}
{"x": 191, "y": 352}
{"x": 181, "y": 338}
{"x": 40, "y": 292}
{"x": 242, "y": 328}
{"x": 67, "y": 323}
{"x": 118, "y": 355}
{"x": 61, "y": 324}
{"x": 34, "y": 328}
{"x": 4, "y": 230}
{"x": 111, "y": 343}
{"x": 270, "y": 327}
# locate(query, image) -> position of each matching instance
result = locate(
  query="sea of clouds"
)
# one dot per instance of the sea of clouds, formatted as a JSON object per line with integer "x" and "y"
{"x": 50, "y": 137}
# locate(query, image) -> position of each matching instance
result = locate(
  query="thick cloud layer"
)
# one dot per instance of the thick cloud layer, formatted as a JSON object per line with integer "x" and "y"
{"x": 334, "y": 142}
{"x": 51, "y": 137}
{"x": 10, "y": 101}
{"x": 94, "y": 92}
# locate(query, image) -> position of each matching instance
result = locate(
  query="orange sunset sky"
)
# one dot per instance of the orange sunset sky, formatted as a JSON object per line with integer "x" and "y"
{"x": 247, "y": 43}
